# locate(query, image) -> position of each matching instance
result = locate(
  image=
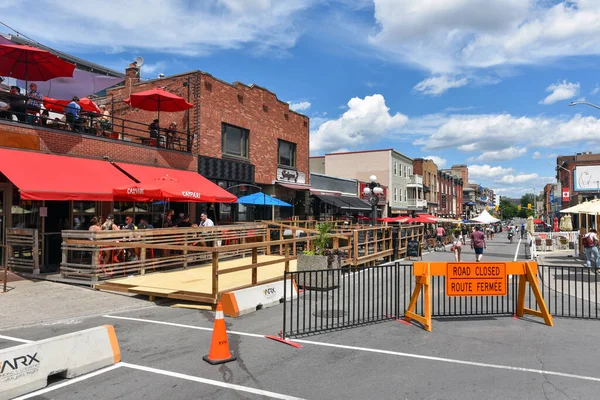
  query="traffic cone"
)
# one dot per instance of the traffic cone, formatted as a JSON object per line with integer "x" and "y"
{"x": 219, "y": 348}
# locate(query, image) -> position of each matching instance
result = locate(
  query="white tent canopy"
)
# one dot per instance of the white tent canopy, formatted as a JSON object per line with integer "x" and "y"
{"x": 485, "y": 218}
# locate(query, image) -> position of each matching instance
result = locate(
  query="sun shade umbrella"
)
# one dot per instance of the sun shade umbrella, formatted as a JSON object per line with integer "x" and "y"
{"x": 262, "y": 199}
{"x": 32, "y": 64}
{"x": 158, "y": 99}
{"x": 538, "y": 221}
{"x": 420, "y": 220}
{"x": 58, "y": 106}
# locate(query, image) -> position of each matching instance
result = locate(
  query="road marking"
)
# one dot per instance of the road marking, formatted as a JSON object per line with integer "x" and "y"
{"x": 14, "y": 339}
{"x": 67, "y": 382}
{"x": 225, "y": 385}
{"x": 387, "y": 352}
{"x": 182, "y": 325}
{"x": 517, "y": 251}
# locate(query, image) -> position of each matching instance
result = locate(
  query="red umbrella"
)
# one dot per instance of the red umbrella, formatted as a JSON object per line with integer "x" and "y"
{"x": 538, "y": 221}
{"x": 58, "y": 106}
{"x": 158, "y": 99}
{"x": 32, "y": 64}
{"x": 420, "y": 220}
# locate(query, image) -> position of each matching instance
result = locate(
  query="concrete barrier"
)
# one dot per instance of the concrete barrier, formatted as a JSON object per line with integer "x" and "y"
{"x": 26, "y": 368}
{"x": 244, "y": 301}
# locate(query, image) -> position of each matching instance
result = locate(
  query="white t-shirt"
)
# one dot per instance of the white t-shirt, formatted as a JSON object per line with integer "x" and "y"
{"x": 207, "y": 222}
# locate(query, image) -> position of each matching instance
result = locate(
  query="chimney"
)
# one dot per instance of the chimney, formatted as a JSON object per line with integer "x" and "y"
{"x": 132, "y": 74}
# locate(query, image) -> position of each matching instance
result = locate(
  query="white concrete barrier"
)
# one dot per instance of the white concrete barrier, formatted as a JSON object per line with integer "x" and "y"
{"x": 26, "y": 368}
{"x": 244, "y": 301}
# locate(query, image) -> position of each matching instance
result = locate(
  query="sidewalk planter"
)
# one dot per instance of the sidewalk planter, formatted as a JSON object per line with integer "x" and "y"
{"x": 325, "y": 280}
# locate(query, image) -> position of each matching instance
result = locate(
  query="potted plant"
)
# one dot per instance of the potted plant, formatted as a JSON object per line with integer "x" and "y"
{"x": 322, "y": 258}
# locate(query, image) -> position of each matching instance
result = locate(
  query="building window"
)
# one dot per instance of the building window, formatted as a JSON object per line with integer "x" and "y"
{"x": 395, "y": 169}
{"x": 208, "y": 86}
{"x": 235, "y": 141}
{"x": 265, "y": 108}
{"x": 395, "y": 194}
{"x": 410, "y": 171}
{"x": 241, "y": 98}
{"x": 405, "y": 171}
{"x": 286, "y": 116}
{"x": 287, "y": 153}
{"x": 405, "y": 195}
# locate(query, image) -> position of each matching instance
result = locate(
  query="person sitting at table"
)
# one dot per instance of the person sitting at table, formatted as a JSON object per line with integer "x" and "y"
{"x": 105, "y": 118}
{"x": 95, "y": 224}
{"x": 34, "y": 103}
{"x": 154, "y": 129}
{"x": 129, "y": 225}
{"x": 72, "y": 111}
{"x": 44, "y": 117}
{"x": 18, "y": 104}
{"x": 185, "y": 222}
{"x": 171, "y": 133}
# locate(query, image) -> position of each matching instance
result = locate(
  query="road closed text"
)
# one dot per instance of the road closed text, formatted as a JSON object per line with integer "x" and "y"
{"x": 465, "y": 279}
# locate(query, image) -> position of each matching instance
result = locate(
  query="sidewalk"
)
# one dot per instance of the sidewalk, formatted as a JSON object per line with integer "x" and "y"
{"x": 30, "y": 302}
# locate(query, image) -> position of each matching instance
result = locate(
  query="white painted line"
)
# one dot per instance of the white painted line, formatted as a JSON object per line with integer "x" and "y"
{"x": 14, "y": 339}
{"x": 67, "y": 382}
{"x": 517, "y": 251}
{"x": 387, "y": 352}
{"x": 225, "y": 385}
{"x": 200, "y": 328}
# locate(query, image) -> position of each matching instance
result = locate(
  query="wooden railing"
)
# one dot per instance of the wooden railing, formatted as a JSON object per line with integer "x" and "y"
{"x": 24, "y": 253}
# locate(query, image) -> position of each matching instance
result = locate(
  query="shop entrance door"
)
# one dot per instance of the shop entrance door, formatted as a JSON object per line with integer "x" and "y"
{"x": 58, "y": 219}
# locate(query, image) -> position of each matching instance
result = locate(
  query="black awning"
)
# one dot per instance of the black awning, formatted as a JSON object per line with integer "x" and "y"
{"x": 332, "y": 200}
{"x": 354, "y": 203}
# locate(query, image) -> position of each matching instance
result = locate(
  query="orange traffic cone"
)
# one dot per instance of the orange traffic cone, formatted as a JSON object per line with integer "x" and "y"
{"x": 219, "y": 348}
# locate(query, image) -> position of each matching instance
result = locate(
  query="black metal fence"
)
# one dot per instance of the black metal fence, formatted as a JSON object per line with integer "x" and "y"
{"x": 343, "y": 298}
{"x": 94, "y": 124}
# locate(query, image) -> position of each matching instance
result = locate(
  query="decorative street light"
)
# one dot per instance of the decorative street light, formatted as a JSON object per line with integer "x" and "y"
{"x": 373, "y": 190}
{"x": 577, "y": 103}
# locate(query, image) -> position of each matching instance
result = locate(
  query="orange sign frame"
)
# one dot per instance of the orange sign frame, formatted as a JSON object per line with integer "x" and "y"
{"x": 526, "y": 271}
{"x": 476, "y": 279}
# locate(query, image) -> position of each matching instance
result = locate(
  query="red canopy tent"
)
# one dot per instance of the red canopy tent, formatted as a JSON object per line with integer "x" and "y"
{"x": 58, "y": 106}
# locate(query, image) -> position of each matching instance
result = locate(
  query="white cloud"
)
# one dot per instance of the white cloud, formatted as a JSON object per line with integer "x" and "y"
{"x": 536, "y": 155}
{"x": 437, "y": 85}
{"x": 299, "y": 106}
{"x": 439, "y": 161}
{"x": 561, "y": 91}
{"x": 193, "y": 27}
{"x": 510, "y": 153}
{"x": 494, "y": 132}
{"x": 449, "y": 36}
{"x": 151, "y": 71}
{"x": 367, "y": 119}
{"x": 595, "y": 90}
{"x": 486, "y": 171}
{"x": 520, "y": 178}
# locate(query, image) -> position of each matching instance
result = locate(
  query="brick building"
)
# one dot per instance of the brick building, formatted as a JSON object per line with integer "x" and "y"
{"x": 429, "y": 171}
{"x": 243, "y": 135}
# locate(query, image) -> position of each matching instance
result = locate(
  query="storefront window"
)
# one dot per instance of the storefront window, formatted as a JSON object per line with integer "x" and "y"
{"x": 25, "y": 213}
{"x": 83, "y": 212}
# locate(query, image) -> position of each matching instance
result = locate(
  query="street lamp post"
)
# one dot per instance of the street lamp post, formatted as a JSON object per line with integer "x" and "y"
{"x": 189, "y": 138}
{"x": 578, "y": 103}
{"x": 373, "y": 190}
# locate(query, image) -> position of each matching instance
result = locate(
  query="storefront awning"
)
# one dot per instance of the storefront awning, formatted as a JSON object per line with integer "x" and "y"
{"x": 50, "y": 177}
{"x": 195, "y": 187}
{"x": 345, "y": 202}
{"x": 294, "y": 186}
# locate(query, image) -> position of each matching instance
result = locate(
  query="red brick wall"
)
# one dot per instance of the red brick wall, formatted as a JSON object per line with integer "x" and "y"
{"x": 219, "y": 103}
{"x": 73, "y": 144}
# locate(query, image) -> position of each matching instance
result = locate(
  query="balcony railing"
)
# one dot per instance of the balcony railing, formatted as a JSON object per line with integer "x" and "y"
{"x": 416, "y": 204}
{"x": 415, "y": 181}
{"x": 94, "y": 124}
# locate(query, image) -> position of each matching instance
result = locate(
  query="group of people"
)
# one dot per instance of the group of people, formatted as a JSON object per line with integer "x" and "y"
{"x": 183, "y": 221}
{"x": 167, "y": 140}
{"x": 24, "y": 107}
{"x": 478, "y": 242}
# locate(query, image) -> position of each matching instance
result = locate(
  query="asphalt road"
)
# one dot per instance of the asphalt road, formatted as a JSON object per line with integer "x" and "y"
{"x": 463, "y": 358}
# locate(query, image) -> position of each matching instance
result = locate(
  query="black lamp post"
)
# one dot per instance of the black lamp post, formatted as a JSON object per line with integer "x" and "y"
{"x": 189, "y": 141}
{"x": 373, "y": 190}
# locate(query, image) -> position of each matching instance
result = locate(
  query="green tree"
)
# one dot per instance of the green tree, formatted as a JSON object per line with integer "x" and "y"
{"x": 507, "y": 209}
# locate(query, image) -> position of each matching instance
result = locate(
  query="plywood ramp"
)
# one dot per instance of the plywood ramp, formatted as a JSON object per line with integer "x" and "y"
{"x": 195, "y": 284}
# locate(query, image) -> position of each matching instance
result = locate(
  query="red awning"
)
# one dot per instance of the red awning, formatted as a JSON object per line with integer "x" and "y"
{"x": 174, "y": 184}
{"x": 50, "y": 177}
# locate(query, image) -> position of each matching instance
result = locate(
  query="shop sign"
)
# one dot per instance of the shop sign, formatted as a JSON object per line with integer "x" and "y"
{"x": 290, "y": 175}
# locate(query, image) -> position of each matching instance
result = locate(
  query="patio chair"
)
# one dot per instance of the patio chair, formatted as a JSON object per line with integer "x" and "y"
{"x": 548, "y": 244}
{"x": 538, "y": 243}
{"x": 562, "y": 243}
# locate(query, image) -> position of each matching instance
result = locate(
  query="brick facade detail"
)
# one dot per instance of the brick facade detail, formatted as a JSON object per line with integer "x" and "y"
{"x": 216, "y": 102}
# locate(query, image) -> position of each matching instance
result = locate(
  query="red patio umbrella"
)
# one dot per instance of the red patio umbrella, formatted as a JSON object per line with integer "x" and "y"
{"x": 32, "y": 64}
{"x": 58, "y": 106}
{"x": 420, "y": 220}
{"x": 538, "y": 221}
{"x": 158, "y": 99}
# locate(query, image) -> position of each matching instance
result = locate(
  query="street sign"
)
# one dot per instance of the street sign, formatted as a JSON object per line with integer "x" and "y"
{"x": 476, "y": 279}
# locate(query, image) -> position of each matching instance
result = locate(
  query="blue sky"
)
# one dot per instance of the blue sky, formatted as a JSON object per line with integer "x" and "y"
{"x": 485, "y": 83}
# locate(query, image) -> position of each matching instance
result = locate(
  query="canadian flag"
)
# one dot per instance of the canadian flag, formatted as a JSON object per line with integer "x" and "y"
{"x": 566, "y": 195}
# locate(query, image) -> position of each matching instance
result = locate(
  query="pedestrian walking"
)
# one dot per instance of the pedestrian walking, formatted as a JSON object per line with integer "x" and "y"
{"x": 590, "y": 244}
{"x": 457, "y": 245}
{"x": 478, "y": 243}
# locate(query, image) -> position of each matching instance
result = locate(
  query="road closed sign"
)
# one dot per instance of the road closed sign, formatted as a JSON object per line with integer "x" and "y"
{"x": 476, "y": 279}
